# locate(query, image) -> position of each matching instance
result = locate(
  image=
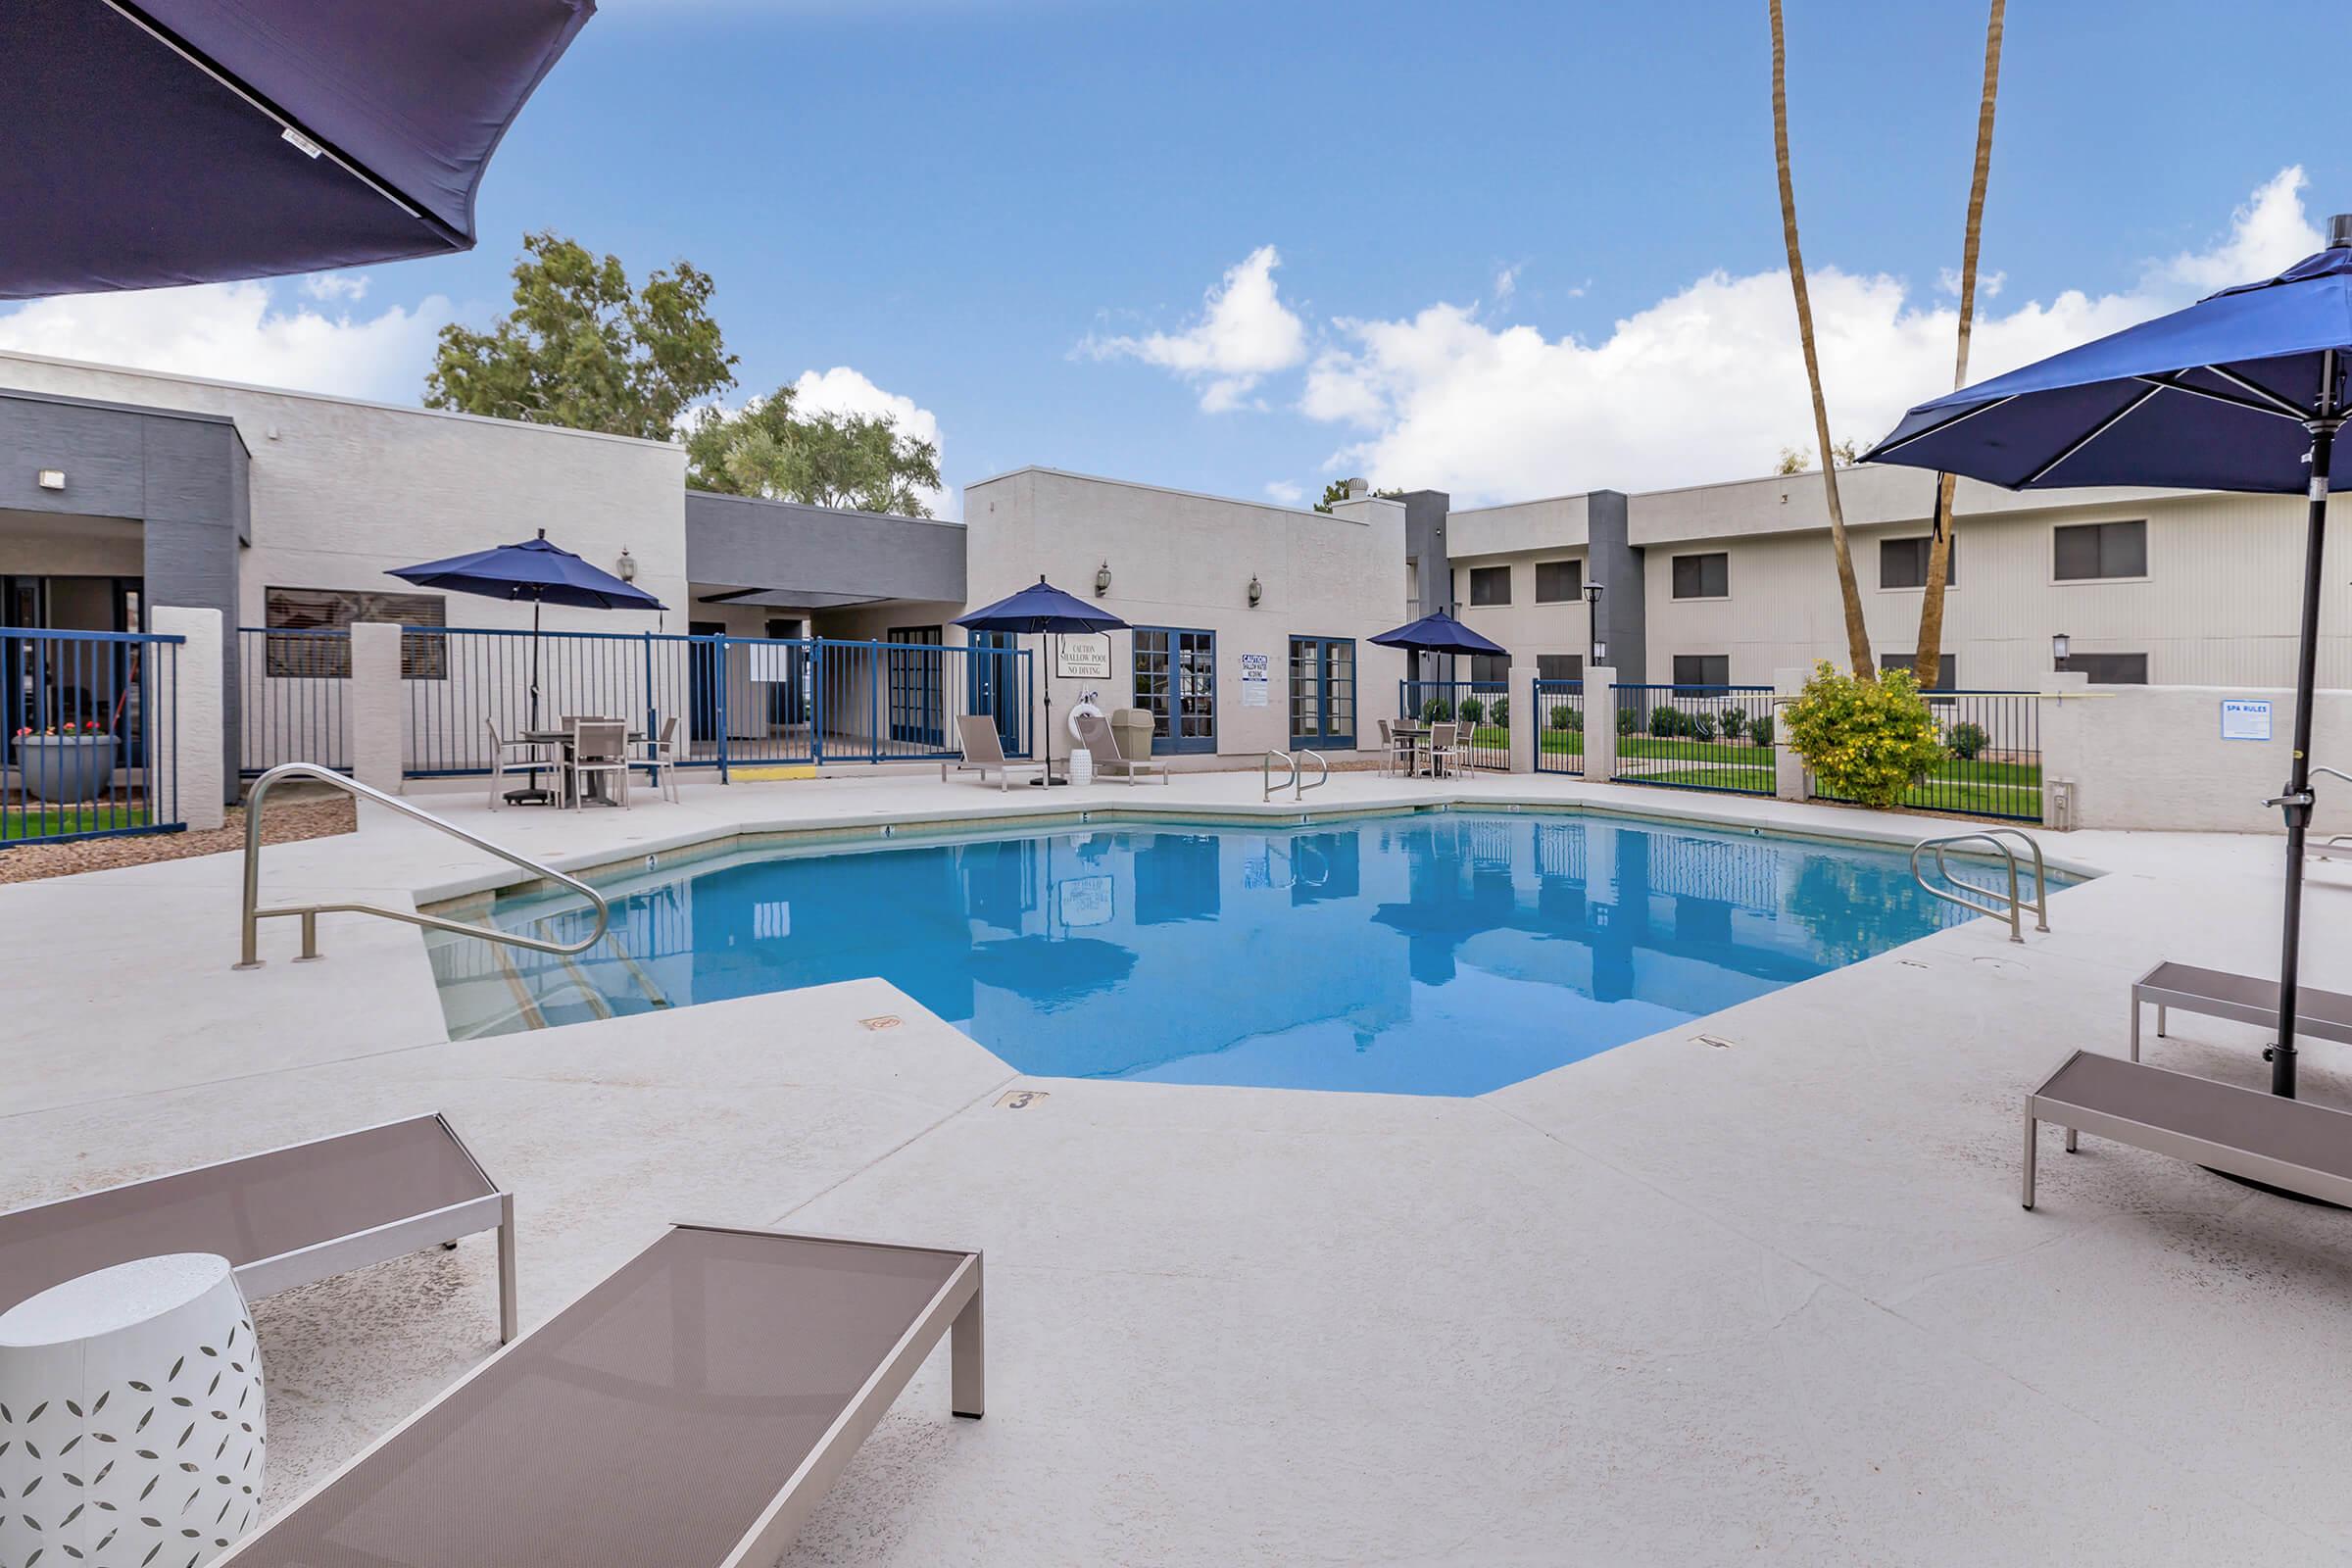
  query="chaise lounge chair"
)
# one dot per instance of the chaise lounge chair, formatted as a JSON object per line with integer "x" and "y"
{"x": 689, "y": 1411}
{"x": 284, "y": 1218}
{"x": 2219, "y": 994}
{"x": 1105, "y": 748}
{"x": 983, "y": 753}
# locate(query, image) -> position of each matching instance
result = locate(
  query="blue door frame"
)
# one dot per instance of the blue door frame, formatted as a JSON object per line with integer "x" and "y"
{"x": 1176, "y": 680}
{"x": 1322, "y": 692}
{"x": 993, "y": 685}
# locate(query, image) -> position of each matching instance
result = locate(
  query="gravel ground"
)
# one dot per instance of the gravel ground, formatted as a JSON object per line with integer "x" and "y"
{"x": 290, "y": 820}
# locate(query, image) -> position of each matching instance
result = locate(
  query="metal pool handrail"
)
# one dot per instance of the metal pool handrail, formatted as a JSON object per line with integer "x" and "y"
{"x": 253, "y": 914}
{"x": 1996, "y": 837}
{"x": 1295, "y": 783}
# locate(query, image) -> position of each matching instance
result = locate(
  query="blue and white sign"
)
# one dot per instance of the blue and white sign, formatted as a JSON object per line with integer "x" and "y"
{"x": 2245, "y": 718}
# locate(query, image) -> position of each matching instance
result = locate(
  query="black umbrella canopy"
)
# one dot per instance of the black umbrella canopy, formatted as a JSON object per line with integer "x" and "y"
{"x": 191, "y": 141}
{"x": 2245, "y": 390}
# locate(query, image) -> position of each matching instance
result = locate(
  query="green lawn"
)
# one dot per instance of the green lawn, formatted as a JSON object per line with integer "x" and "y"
{"x": 1740, "y": 780}
{"x": 36, "y": 822}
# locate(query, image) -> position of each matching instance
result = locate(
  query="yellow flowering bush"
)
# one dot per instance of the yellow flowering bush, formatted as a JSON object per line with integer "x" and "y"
{"x": 1868, "y": 741}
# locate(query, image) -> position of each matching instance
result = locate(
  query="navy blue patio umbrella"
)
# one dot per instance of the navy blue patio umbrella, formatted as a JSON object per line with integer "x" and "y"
{"x": 2243, "y": 390}
{"x": 160, "y": 142}
{"x": 1438, "y": 632}
{"x": 1039, "y": 609}
{"x": 538, "y": 571}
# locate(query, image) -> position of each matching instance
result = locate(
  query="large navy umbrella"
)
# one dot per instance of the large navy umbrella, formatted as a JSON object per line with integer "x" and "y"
{"x": 1438, "y": 633}
{"x": 1038, "y": 610}
{"x": 2245, "y": 390}
{"x": 189, "y": 142}
{"x": 538, "y": 571}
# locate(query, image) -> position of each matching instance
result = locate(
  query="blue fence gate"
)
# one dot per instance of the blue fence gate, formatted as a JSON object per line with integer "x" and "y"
{"x": 1696, "y": 738}
{"x": 1559, "y": 720}
{"x": 88, "y": 734}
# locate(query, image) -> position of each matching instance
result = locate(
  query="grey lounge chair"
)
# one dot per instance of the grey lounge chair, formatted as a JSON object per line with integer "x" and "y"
{"x": 2289, "y": 1144}
{"x": 283, "y": 1218}
{"x": 1104, "y": 748}
{"x": 983, "y": 753}
{"x": 689, "y": 1411}
{"x": 2219, "y": 994}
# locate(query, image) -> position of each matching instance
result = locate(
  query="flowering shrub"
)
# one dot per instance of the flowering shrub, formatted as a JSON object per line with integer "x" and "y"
{"x": 1869, "y": 741}
{"x": 87, "y": 727}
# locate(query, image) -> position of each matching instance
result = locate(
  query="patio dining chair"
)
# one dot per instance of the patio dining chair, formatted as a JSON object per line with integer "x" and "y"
{"x": 1446, "y": 758}
{"x": 660, "y": 759}
{"x": 507, "y": 757}
{"x": 599, "y": 749}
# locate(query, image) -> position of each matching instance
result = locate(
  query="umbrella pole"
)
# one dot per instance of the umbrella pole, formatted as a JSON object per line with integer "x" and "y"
{"x": 535, "y": 659}
{"x": 2296, "y": 802}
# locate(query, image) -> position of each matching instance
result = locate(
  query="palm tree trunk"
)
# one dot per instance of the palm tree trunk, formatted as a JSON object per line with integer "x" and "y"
{"x": 1939, "y": 548}
{"x": 1857, "y": 635}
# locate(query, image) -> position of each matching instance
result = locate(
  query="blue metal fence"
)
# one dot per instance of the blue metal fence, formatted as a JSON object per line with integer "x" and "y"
{"x": 89, "y": 734}
{"x": 1697, "y": 737}
{"x": 292, "y": 684}
{"x": 1993, "y": 757}
{"x": 1559, "y": 719}
{"x": 738, "y": 700}
{"x": 1481, "y": 709}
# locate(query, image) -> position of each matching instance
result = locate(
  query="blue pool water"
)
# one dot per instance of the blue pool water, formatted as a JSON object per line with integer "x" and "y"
{"x": 1439, "y": 954}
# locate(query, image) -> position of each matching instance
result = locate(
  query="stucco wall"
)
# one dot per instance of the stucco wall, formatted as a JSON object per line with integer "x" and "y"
{"x": 1182, "y": 559}
{"x": 2153, "y": 758}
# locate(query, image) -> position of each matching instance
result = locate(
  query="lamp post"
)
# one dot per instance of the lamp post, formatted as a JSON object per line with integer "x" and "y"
{"x": 1595, "y": 648}
{"x": 2060, "y": 645}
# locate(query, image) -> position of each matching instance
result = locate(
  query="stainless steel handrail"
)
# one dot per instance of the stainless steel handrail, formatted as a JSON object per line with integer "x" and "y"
{"x": 1322, "y": 775}
{"x": 1997, "y": 838}
{"x": 253, "y": 914}
{"x": 1265, "y": 773}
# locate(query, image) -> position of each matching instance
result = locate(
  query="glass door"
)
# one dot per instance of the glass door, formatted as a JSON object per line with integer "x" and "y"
{"x": 1176, "y": 682}
{"x": 1323, "y": 692}
{"x": 917, "y": 710}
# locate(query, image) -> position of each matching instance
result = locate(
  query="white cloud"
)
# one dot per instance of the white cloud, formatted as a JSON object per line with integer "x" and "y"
{"x": 335, "y": 285}
{"x": 1709, "y": 382}
{"x": 1245, "y": 333}
{"x": 1285, "y": 491}
{"x": 241, "y": 332}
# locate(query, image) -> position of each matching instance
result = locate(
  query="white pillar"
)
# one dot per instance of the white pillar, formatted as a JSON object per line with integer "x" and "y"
{"x": 1788, "y": 768}
{"x": 1525, "y": 721}
{"x": 186, "y": 760}
{"x": 1600, "y": 725}
{"x": 2063, "y": 750}
{"x": 372, "y": 706}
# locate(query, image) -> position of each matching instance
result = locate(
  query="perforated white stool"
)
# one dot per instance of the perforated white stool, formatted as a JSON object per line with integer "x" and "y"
{"x": 130, "y": 1417}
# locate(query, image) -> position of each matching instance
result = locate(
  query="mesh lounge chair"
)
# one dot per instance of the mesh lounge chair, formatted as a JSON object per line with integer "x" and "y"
{"x": 283, "y": 1218}
{"x": 1103, "y": 747}
{"x": 689, "y": 1411}
{"x": 983, "y": 753}
{"x": 2219, "y": 994}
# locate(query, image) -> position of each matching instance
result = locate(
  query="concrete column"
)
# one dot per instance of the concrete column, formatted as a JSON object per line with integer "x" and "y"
{"x": 372, "y": 706}
{"x": 2064, "y": 748}
{"x": 1527, "y": 723}
{"x": 185, "y": 757}
{"x": 1788, "y": 768}
{"x": 1600, "y": 725}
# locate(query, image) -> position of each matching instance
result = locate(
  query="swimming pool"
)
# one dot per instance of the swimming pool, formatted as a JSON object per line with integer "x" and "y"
{"x": 1446, "y": 952}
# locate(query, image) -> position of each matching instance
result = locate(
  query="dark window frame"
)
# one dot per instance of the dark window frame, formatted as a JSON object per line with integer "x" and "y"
{"x": 288, "y": 609}
{"x": 2101, "y": 535}
{"x": 1704, "y": 684}
{"x": 1925, "y": 544}
{"x": 1947, "y": 668}
{"x": 1328, "y": 685}
{"x": 1699, "y": 571}
{"x": 1574, "y": 567}
{"x": 1548, "y": 669}
{"x": 1490, "y": 575}
{"x": 1166, "y": 655}
{"x": 2076, "y": 664}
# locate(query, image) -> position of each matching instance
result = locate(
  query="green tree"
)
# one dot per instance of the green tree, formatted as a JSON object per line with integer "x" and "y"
{"x": 772, "y": 450}
{"x": 1336, "y": 490}
{"x": 582, "y": 348}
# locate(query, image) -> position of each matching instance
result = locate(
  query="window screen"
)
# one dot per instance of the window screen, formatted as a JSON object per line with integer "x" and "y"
{"x": 1702, "y": 669}
{"x": 1707, "y": 576}
{"x": 2108, "y": 669}
{"x": 1559, "y": 582}
{"x": 1490, "y": 586}
{"x": 422, "y": 658}
{"x": 1904, "y": 563}
{"x": 2090, "y": 550}
{"x": 1559, "y": 667}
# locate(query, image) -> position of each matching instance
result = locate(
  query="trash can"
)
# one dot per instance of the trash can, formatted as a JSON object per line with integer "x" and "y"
{"x": 1131, "y": 728}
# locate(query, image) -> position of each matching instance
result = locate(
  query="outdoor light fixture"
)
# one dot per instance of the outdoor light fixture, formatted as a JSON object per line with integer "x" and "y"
{"x": 1600, "y": 649}
{"x": 1258, "y": 591}
{"x": 52, "y": 479}
{"x": 625, "y": 569}
{"x": 1103, "y": 579}
{"x": 2059, "y": 644}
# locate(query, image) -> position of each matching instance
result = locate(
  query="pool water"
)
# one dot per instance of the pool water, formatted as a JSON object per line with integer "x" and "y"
{"x": 1435, "y": 953}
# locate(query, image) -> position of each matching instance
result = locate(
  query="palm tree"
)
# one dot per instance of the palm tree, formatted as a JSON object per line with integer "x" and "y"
{"x": 1939, "y": 548}
{"x": 1857, "y": 635}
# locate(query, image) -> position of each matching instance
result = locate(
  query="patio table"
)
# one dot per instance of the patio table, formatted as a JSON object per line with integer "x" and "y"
{"x": 562, "y": 738}
{"x": 1417, "y": 736}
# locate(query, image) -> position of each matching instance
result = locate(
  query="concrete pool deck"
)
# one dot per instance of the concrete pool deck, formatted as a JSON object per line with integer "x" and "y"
{"x": 1682, "y": 1302}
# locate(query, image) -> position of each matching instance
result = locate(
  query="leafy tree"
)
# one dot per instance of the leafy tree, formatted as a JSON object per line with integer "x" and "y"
{"x": 859, "y": 460}
{"x": 1336, "y": 490}
{"x": 581, "y": 348}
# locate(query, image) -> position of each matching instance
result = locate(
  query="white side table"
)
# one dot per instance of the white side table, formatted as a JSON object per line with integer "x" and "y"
{"x": 130, "y": 1417}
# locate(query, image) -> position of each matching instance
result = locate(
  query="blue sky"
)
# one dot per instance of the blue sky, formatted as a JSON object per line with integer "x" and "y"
{"x": 1507, "y": 249}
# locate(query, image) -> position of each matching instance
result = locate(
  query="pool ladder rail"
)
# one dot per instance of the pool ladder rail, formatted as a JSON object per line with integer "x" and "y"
{"x": 1997, "y": 838}
{"x": 253, "y": 914}
{"x": 1295, "y": 783}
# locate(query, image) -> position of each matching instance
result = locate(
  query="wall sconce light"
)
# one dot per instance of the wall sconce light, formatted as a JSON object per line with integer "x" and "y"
{"x": 1601, "y": 654}
{"x": 1258, "y": 591}
{"x": 2060, "y": 645}
{"x": 1103, "y": 579}
{"x": 51, "y": 478}
{"x": 627, "y": 566}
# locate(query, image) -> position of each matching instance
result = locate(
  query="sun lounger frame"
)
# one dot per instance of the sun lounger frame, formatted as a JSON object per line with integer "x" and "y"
{"x": 2319, "y": 1014}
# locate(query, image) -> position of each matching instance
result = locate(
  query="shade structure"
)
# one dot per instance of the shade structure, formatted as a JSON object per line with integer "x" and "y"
{"x": 2243, "y": 390}
{"x": 1438, "y": 633}
{"x": 191, "y": 141}
{"x": 535, "y": 570}
{"x": 1038, "y": 610}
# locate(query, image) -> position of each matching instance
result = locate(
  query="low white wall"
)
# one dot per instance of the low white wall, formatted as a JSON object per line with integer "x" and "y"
{"x": 186, "y": 733}
{"x": 2153, "y": 758}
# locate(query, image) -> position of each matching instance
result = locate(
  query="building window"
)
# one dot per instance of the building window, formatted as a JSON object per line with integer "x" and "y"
{"x": 1947, "y": 668}
{"x": 1904, "y": 563}
{"x": 1703, "y": 670}
{"x": 422, "y": 658}
{"x": 2108, "y": 669}
{"x": 1412, "y": 583}
{"x": 1323, "y": 691}
{"x": 2083, "y": 551}
{"x": 1490, "y": 586}
{"x": 1559, "y": 582}
{"x": 1559, "y": 667}
{"x": 1491, "y": 670}
{"x": 1707, "y": 576}
{"x": 1176, "y": 682}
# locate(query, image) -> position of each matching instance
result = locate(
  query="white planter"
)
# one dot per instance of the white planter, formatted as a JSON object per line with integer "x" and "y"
{"x": 130, "y": 1417}
{"x": 66, "y": 769}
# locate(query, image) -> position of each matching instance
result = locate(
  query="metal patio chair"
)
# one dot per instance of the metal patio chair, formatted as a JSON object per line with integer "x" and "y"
{"x": 599, "y": 749}
{"x": 660, "y": 759}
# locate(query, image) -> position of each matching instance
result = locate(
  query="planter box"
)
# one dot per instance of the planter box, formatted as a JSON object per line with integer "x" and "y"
{"x": 66, "y": 769}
